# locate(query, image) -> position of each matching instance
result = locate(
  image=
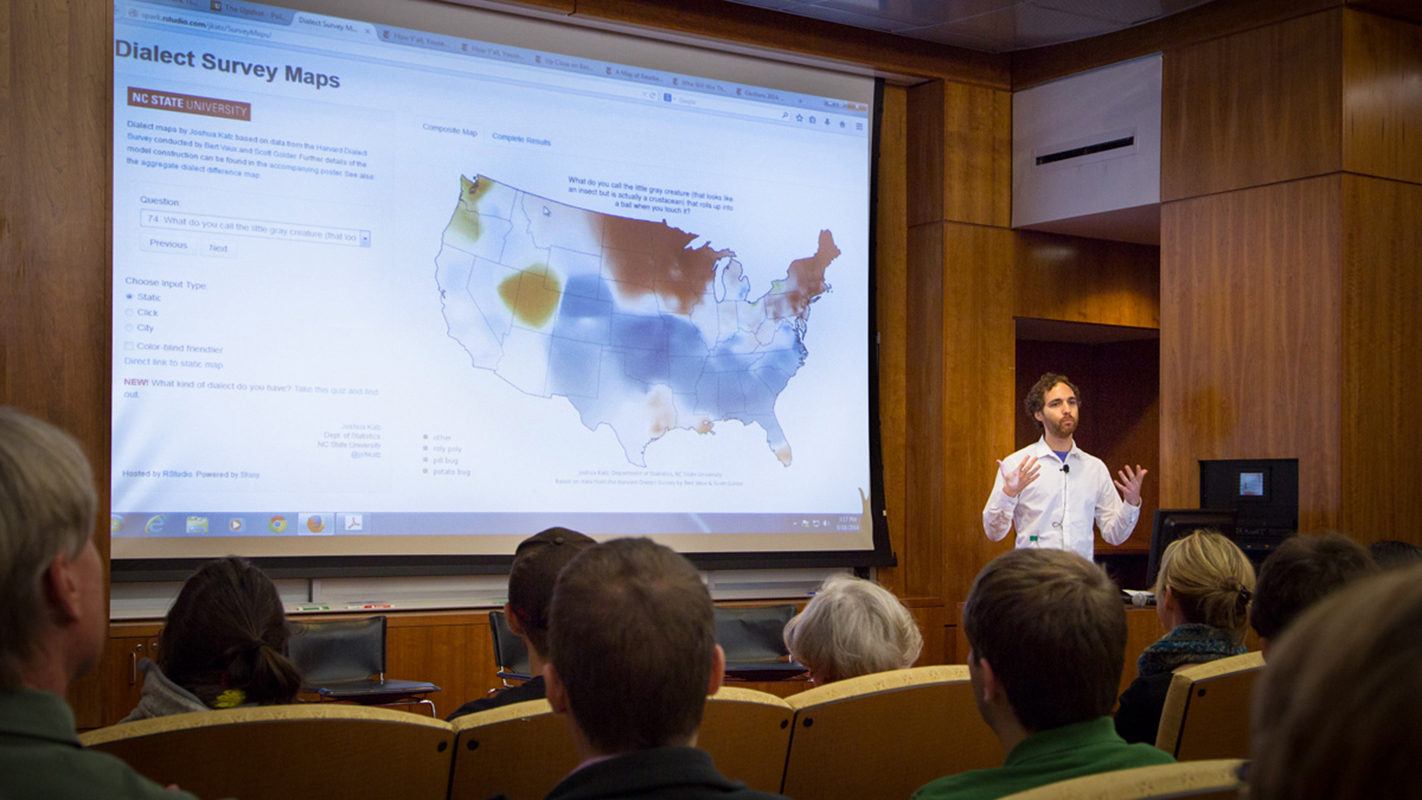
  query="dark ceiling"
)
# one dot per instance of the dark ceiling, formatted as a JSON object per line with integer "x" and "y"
{"x": 993, "y": 26}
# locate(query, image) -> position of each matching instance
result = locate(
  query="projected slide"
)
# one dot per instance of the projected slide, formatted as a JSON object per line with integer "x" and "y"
{"x": 380, "y": 290}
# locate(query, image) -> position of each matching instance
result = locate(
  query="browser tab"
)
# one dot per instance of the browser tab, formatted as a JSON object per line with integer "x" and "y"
{"x": 639, "y": 75}
{"x": 330, "y": 26}
{"x": 251, "y": 12}
{"x": 556, "y": 61}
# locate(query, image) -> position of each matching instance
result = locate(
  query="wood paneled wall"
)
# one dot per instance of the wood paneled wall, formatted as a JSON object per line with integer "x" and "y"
{"x": 1257, "y": 107}
{"x": 1382, "y": 359}
{"x": 1382, "y": 113}
{"x": 891, "y": 312}
{"x": 977, "y": 393}
{"x": 1199, "y": 24}
{"x": 1403, "y": 9}
{"x": 1072, "y": 279}
{"x": 1289, "y": 262}
{"x": 54, "y": 232}
{"x": 1250, "y": 337}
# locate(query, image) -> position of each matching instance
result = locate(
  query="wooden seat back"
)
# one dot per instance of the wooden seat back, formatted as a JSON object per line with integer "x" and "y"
{"x": 885, "y": 735}
{"x": 301, "y": 752}
{"x": 1206, "y": 714}
{"x": 519, "y": 751}
{"x": 747, "y": 734}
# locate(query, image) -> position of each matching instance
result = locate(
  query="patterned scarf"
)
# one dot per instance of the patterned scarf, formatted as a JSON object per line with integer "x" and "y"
{"x": 1191, "y": 643}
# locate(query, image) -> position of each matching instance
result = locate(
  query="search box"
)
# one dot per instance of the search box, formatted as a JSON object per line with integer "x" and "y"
{"x": 265, "y": 229}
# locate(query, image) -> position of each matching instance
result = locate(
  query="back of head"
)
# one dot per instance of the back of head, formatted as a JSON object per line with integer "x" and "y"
{"x": 47, "y": 506}
{"x": 1336, "y": 710}
{"x": 1053, "y": 627}
{"x": 1392, "y": 554}
{"x": 225, "y": 638}
{"x": 536, "y": 565}
{"x": 1211, "y": 578}
{"x": 853, "y": 627}
{"x": 1302, "y": 571}
{"x": 632, "y": 636}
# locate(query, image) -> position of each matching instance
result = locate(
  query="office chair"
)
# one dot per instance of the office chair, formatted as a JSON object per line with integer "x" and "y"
{"x": 753, "y": 638}
{"x": 344, "y": 661}
{"x": 510, "y": 653}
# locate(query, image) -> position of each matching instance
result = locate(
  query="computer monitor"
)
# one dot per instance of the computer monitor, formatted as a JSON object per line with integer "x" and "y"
{"x": 1174, "y": 523}
{"x": 1264, "y": 493}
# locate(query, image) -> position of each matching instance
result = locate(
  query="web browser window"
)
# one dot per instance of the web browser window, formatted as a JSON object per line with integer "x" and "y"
{"x": 385, "y": 290}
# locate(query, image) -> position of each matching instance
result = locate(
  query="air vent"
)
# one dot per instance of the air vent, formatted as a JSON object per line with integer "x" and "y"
{"x": 1086, "y": 153}
{"x": 1077, "y": 152}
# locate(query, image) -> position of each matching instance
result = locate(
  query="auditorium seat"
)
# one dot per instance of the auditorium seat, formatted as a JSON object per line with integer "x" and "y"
{"x": 885, "y": 735}
{"x": 1197, "y": 780}
{"x": 1206, "y": 712}
{"x": 747, "y": 734}
{"x": 298, "y": 752}
{"x": 519, "y": 751}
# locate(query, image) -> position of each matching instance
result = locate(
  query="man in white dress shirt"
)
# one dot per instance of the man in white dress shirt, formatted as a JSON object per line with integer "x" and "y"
{"x": 1051, "y": 491}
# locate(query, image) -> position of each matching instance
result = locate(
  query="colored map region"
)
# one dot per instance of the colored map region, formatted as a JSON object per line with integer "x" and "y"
{"x": 639, "y": 330}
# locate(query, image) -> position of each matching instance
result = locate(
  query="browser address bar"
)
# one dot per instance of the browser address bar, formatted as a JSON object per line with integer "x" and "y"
{"x": 479, "y": 66}
{"x": 177, "y": 18}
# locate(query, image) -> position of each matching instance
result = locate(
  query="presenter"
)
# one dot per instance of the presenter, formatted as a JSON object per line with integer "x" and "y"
{"x": 1051, "y": 491}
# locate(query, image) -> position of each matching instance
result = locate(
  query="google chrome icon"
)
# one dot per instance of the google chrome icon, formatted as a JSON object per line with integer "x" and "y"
{"x": 277, "y": 524}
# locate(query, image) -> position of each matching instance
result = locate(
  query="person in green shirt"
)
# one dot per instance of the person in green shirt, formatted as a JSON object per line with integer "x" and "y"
{"x": 1047, "y": 632}
{"x": 53, "y": 620}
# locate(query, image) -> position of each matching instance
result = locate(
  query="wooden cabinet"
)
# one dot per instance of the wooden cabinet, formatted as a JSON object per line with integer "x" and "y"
{"x": 121, "y": 684}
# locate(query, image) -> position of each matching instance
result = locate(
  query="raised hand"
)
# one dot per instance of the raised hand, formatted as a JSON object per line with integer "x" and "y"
{"x": 1015, "y": 480}
{"x": 1130, "y": 484}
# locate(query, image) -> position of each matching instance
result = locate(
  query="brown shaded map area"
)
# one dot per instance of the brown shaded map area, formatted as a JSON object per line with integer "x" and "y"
{"x": 804, "y": 281}
{"x": 652, "y": 258}
{"x": 532, "y": 295}
{"x": 466, "y": 214}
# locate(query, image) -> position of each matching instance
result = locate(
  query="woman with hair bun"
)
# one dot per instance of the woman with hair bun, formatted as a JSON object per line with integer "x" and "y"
{"x": 223, "y": 646}
{"x": 1202, "y": 597}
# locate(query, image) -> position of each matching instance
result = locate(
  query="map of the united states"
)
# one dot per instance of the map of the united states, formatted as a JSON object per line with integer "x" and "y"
{"x": 637, "y": 329}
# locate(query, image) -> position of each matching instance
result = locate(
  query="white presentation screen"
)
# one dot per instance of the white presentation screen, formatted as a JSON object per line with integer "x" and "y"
{"x": 427, "y": 281}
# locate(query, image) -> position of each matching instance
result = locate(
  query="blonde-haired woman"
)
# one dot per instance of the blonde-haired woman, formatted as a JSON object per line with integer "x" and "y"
{"x": 852, "y": 627}
{"x": 1202, "y": 598}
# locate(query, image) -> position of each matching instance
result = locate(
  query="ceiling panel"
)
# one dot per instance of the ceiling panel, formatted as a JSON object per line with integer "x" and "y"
{"x": 1019, "y": 27}
{"x": 989, "y": 25}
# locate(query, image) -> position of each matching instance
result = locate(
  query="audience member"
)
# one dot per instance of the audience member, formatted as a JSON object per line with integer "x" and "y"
{"x": 1304, "y": 570}
{"x": 223, "y": 645}
{"x": 1202, "y": 598}
{"x": 1391, "y": 554}
{"x": 536, "y": 565}
{"x": 852, "y": 627}
{"x": 633, "y": 655}
{"x": 53, "y": 618}
{"x": 1336, "y": 710}
{"x": 1047, "y": 632}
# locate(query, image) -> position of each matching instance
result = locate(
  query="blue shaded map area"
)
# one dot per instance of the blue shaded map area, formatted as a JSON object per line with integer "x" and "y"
{"x": 621, "y": 317}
